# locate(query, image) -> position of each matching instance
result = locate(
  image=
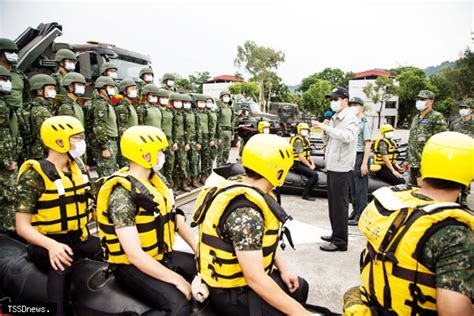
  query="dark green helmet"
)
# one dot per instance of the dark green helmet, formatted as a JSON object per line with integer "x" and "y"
{"x": 125, "y": 83}
{"x": 40, "y": 80}
{"x": 64, "y": 54}
{"x": 150, "y": 88}
{"x": 187, "y": 97}
{"x": 198, "y": 97}
{"x": 8, "y": 45}
{"x": 103, "y": 81}
{"x": 168, "y": 76}
{"x": 223, "y": 93}
{"x": 146, "y": 70}
{"x": 4, "y": 72}
{"x": 163, "y": 93}
{"x": 106, "y": 66}
{"x": 72, "y": 77}
{"x": 177, "y": 97}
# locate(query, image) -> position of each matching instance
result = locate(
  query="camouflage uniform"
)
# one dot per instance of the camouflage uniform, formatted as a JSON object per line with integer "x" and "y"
{"x": 205, "y": 154}
{"x": 168, "y": 128}
{"x": 225, "y": 124}
{"x": 193, "y": 134}
{"x": 422, "y": 128}
{"x": 67, "y": 106}
{"x": 213, "y": 136}
{"x": 244, "y": 226}
{"x": 58, "y": 76}
{"x": 30, "y": 186}
{"x": 465, "y": 127}
{"x": 104, "y": 135}
{"x": 121, "y": 206}
{"x": 149, "y": 114}
{"x": 180, "y": 138}
{"x": 126, "y": 117}
{"x": 40, "y": 110}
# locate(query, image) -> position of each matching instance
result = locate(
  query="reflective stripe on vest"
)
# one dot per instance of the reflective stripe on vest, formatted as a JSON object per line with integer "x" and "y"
{"x": 62, "y": 206}
{"x": 396, "y": 225}
{"x": 217, "y": 261}
{"x": 306, "y": 147}
{"x": 154, "y": 219}
{"x": 391, "y": 151}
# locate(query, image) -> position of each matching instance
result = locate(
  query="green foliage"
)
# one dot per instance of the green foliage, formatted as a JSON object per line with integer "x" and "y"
{"x": 246, "y": 89}
{"x": 198, "y": 79}
{"x": 447, "y": 107}
{"x": 335, "y": 76}
{"x": 314, "y": 100}
{"x": 381, "y": 91}
{"x": 465, "y": 80}
{"x": 183, "y": 84}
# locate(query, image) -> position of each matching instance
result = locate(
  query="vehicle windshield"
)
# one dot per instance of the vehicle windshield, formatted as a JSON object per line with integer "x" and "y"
{"x": 254, "y": 108}
{"x": 127, "y": 69}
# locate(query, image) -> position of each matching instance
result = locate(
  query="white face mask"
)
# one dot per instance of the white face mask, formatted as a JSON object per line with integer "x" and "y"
{"x": 6, "y": 86}
{"x": 112, "y": 74}
{"x": 11, "y": 57}
{"x": 79, "y": 90}
{"x": 153, "y": 99}
{"x": 464, "y": 112}
{"x": 389, "y": 135}
{"x": 201, "y": 104}
{"x": 187, "y": 106}
{"x": 177, "y": 104}
{"x": 266, "y": 130}
{"x": 420, "y": 105}
{"x": 356, "y": 109}
{"x": 80, "y": 149}
{"x": 132, "y": 94}
{"x": 209, "y": 105}
{"x": 225, "y": 99}
{"x": 304, "y": 133}
{"x": 336, "y": 106}
{"x": 50, "y": 94}
{"x": 148, "y": 78}
{"x": 69, "y": 66}
{"x": 160, "y": 163}
{"x": 164, "y": 101}
{"x": 110, "y": 92}
{"x": 170, "y": 83}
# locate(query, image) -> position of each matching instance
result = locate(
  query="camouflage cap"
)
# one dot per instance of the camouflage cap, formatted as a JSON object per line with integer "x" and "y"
{"x": 467, "y": 103}
{"x": 106, "y": 66}
{"x": 146, "y": 70}
{"x": 4, "y": 72}
{"x": 103, "y": 81}
{"x": 356, "y": 100}
{"x": 64, "y": 54}
{"x": 426, "y": 94}
{"x": 8, "y": 45}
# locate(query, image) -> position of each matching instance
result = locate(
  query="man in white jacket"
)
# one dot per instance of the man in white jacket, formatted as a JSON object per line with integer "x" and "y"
{"x": 340, "y": 137}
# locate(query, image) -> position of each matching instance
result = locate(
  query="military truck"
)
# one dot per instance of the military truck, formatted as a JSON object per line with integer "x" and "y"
{"x": 287, "y": 113}
{"x": 37, "y": 47}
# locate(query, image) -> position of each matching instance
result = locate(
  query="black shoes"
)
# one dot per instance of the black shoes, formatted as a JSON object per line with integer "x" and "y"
{"x": 352, "y": 215}
{"x": 327, "y": 238}
{"x": 332, "y": 247}
{"x": 353, "y": 222}
{"x": 308, "y": 198}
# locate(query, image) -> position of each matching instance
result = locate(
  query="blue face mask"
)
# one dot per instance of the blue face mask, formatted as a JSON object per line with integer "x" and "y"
{"x": 336, "y": 106}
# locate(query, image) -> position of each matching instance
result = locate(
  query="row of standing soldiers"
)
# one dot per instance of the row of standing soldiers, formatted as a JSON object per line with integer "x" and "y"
{"x": 200, "y": 128}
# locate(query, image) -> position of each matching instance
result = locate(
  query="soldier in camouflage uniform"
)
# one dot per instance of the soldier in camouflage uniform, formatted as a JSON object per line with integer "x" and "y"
{"x": 125, "y": 110}
{"x": 148, "y": 110}
{"x": 66, "y": 60}
{"x": 102, "y": 127}
{"x": 225, "y": 126}
{"x": 146, "y": 76}
{"x": 424, "y": 125}
{"x": 211, "y": 109}
{"x": 19, "y": 94}
{"x": 180, "y": 143}
{"x": 205, "y": 152}
{"x": 167, "y": 117}
{"x": 194, "y": 136}
{"x": 168, "y": 82}
{"x": 75, "y": 85}
{"x": 36, "y": 112}
{"x": 8, "y": 157}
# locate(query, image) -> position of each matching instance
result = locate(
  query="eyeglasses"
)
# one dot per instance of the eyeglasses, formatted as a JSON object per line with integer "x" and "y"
{"x": 78, "y": 137}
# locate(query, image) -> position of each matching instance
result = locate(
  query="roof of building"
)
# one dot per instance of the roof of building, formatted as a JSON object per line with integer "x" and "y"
{"x": 371, "y": 74}
{"x": 225, "y": 78}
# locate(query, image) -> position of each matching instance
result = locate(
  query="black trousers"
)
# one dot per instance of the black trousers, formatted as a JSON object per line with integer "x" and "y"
{"x": 387, "y": 175}
{"x": 236, "y": 302}
{"x": 338, "y": 200}
{"x": 58, "y": 281}
{"x": 301, "y": 168}
{"x": 359, "y": 187}
{"x": 163, "y": 296}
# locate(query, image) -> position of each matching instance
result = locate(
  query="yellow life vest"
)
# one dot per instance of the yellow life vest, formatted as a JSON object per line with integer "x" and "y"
{"x": 391, "y": 151}
{"x": 154, "y": 216}
{"x": 216, "y": 258}
{"x": 62, "y": 206}
{"x": 397, "y": 225}
{"x": 306, "y": 147}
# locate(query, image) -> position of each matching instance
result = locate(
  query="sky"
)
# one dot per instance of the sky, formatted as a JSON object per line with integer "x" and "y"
{"x": 186, "y": 36}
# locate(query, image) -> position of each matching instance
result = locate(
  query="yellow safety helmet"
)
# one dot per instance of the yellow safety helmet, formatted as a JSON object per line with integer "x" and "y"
{"x": 301, "y": 126}
{"x": 262, "y": 125}
{"x": 60, "y": 128}
{"x": 449, "y": 156}
{"x": 267, "y": 155}
{"x": 140, "y": 140}
{"x": 386, "y": 128}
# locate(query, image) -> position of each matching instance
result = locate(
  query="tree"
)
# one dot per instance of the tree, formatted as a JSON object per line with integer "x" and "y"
{"x": 465, "y": 78}
{"x": 248, "y": 90}
{"x": 183, "y": 84}
{"x": 259, "y": 61}
{"x": 198, "y": 79}
{"x": 314, "y": 99}
{"x": 274, "y": 87}
{"x": 381, "y": 91}
{"x": 335, "y": 76}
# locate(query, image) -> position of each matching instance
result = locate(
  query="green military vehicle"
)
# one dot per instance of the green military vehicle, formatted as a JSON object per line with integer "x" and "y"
{"x": 37, "y": 47}
{"x": 287, "y": 113}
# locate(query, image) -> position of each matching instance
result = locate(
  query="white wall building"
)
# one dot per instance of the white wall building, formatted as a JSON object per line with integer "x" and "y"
{"x": 215, "y": 85}
{"x": 389, "y": 113}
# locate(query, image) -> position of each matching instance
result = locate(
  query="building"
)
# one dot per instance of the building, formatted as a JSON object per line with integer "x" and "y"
{"x": 215, "y": 85}
{"x": 389, "y": 113}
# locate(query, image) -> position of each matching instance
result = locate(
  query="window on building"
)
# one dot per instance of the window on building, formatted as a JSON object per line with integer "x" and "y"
{"x": 390, "y": 105}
